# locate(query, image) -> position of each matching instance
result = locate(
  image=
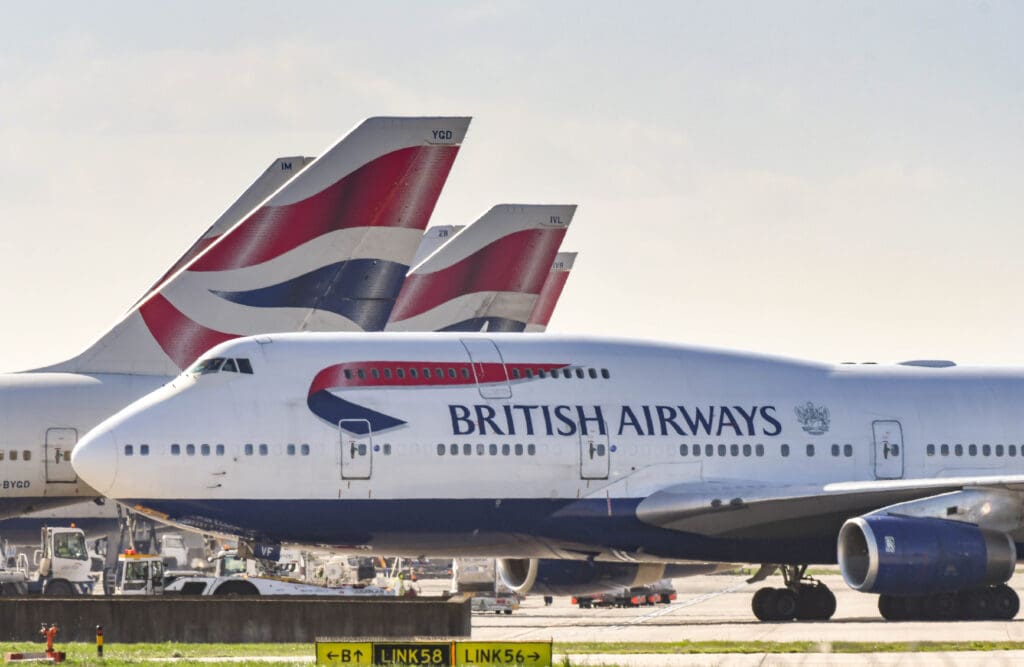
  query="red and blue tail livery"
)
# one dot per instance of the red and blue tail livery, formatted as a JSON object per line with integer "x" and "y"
{"x": 488, "y": 277}
{"x": 327, "y": 251}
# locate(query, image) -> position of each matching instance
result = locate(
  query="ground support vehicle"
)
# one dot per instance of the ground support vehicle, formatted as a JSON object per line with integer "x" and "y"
{"x": 139, "y": 574}
{"x": 240, "y": 576}
{"x": 499, "y": 604}
{"x": 62, "y": 567}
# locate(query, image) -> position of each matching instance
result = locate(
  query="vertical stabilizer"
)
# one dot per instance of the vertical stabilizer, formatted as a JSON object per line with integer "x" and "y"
{"x": 551, "y": 291}
{"x": 488, "y": 276}
{"x": 434, "y": 238}
{"x": 280, "y": 171}
{"x": 328, "y": 251}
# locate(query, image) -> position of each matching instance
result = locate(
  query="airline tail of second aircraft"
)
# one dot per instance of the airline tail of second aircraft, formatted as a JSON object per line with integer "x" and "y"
{"x": 327, "y": 251}
{"x": 551, "y": 291}
{"x": 488, "y": 276}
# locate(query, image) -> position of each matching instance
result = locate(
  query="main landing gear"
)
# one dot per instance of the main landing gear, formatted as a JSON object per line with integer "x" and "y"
{"x": 803, "y": 598}
{"x": 995, "y": 603}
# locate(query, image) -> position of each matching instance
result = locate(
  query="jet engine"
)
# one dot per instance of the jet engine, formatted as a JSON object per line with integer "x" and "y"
{"x": 547, "y": 576}
{"x": 899, "y": 555}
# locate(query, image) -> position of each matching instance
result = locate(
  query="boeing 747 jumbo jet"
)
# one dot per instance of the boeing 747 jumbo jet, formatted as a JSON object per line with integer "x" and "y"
{"x": 582, "y": 459}
{"x": 488, "y": 276}
{"x": 327, "y": 251}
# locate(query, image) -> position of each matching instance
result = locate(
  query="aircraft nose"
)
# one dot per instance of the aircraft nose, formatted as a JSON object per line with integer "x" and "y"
{"x": 94, "y": 459}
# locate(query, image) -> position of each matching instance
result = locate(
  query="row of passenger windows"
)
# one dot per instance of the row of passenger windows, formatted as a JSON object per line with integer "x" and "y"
{"x": 463, "y": 371}
{"x": 579, "y": 373}
{"x": 482, "y": 450}
{"x": 972, "y": 450}
{"x": 709, "y": 450}
{"x": 26, "y": 455}
{"x": 218, "y": 450}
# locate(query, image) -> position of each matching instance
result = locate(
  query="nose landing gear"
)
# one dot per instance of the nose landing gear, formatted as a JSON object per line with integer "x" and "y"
{"x": 803, "y": 598}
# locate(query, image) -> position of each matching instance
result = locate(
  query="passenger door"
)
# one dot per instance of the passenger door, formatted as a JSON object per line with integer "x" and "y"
{"x": 356, "y": 448}
{"x": 594, "y": 455}
{"x": 888, "y": 449}
{"x": 59, "y": 443}
{"x": 488, "y": 368}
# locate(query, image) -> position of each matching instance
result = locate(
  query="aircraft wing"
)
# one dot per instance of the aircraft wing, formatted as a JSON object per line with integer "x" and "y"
{"x": 757, "y": 510}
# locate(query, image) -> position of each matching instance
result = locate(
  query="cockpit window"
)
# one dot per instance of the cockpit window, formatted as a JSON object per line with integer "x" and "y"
{"x": 208, "y": 366}
{"x": 219, "y": 364}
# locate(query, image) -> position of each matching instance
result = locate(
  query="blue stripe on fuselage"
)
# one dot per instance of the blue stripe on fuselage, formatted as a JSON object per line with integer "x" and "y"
{"x": 442, "y": 527}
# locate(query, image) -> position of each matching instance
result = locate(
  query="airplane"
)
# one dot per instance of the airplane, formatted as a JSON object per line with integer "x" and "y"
{"x": 489, "y": 275}
{"x": 550, "y": 292}
{"x": 575, "y": 459}
{"x": 327, "y": 250}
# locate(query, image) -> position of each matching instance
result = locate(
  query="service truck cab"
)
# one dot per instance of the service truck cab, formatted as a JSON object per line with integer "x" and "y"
{"x": 139, "y": 574}
{"x": 61, "y": 567}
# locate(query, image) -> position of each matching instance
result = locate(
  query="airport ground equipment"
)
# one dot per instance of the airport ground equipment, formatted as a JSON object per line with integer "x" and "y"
{"x": 234, "y": 575}
{"x": 61, "y": 567}
{"x": 139, "y": 574}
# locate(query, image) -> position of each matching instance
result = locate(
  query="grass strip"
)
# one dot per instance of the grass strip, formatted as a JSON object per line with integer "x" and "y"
{"x": 116, "y": 655}
{"x": 781, "y": 647}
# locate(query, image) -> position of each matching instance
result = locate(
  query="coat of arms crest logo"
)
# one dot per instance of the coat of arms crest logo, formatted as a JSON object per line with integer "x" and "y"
{"x": 814, "y": 419}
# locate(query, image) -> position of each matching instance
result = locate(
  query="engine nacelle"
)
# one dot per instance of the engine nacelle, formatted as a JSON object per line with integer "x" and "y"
{"x": 547, "y": 576}
{"x": 898, "y": 555}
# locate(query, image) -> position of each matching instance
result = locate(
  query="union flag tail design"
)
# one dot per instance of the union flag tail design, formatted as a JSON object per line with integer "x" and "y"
{"x": 488, "y": 277}
{"x": 552, "y": 289}
{"x": 327, "y": 251}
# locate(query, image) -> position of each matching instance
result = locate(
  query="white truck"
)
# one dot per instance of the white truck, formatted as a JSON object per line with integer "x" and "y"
{"x": 239, "y": 576}
{"x": 478, "y": 577}
{"x": 138, "y": 574}
{"x": 61, "y": 567}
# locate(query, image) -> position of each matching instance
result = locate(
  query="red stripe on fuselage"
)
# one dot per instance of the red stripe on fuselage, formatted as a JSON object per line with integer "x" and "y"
{"x": 423, "y": 374}
{"x": 519, "y": 262}
{"x": 181, "y": 339}
{"x": 399, "y": 189}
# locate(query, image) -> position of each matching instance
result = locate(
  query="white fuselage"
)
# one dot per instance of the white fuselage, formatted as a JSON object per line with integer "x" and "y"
{"x": 42, "y": 416}
{"x": 537, "y": 466}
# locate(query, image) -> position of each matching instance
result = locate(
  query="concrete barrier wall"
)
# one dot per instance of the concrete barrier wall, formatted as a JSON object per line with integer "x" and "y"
{"x": 231, "y": 619}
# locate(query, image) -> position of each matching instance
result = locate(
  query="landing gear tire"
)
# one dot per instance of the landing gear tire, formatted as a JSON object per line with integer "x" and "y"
{"x": 762, "y": 603}
{"x": 816, "y": 603}
{"x": 1006, "y": 602}
{"x": 803, "y": 599}
{"x": 943, "y": 607}
{"x": 994, "y": 603}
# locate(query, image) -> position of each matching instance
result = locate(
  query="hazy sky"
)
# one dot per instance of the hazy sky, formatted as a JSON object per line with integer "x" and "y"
{"x": 838, "y": 181}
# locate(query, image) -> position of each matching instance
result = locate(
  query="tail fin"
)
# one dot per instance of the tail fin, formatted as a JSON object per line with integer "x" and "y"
{"x": 327, "y": 251}
{"x": 280, "y": 171}
{"x": 434, "y": 238}
{"x": 488, "y": 276}
{"x": 552, "y": 289}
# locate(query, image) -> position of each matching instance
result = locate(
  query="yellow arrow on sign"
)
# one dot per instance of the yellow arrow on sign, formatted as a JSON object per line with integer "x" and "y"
{"x": 344, "y": 653}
